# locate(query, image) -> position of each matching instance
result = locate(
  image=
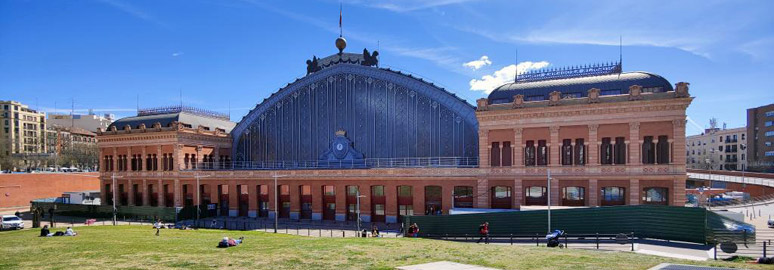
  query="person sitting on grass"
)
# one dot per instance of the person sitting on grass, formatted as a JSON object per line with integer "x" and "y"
{"x": 44, "y": 232}
{"x": 70, "y": 232}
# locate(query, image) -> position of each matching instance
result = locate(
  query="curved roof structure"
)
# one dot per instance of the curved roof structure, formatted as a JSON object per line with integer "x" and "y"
{"x": 380, "y": 113}
{"x": 609, "y": 84}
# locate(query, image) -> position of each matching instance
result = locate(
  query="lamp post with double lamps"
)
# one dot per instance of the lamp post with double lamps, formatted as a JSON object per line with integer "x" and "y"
{"x": 276, "y": 202}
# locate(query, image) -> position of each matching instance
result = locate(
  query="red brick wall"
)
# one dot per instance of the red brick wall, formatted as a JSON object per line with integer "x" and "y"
{"x": 20, "y": 189}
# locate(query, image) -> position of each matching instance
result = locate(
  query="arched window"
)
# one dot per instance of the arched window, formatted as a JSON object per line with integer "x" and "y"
{"x": 529, "y": 154}
{"x": 574, "y": 196}
{"x": 656, "y": 195}
{"x": 567, "y": 152}
{"x": 663, "y": 150}
{"x": 613, "y": 196}
{"x": 648, "y": 150}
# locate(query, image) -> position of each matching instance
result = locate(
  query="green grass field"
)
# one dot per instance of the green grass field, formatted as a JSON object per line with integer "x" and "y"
{"x": 136, "y": 247}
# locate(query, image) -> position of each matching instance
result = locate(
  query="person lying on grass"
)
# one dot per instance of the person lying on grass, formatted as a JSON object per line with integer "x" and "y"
{"x": 230, "y": 242}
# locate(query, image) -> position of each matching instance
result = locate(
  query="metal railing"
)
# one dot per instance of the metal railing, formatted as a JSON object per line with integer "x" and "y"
{"x": 367, "y": 163}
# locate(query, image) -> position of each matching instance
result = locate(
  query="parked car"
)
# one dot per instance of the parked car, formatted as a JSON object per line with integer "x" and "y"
{"x": 11, "y": 222}
{"x": 771, "y": 223}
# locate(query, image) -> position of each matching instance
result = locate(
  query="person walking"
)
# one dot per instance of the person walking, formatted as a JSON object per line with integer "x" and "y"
{"x": 483, "y": 230}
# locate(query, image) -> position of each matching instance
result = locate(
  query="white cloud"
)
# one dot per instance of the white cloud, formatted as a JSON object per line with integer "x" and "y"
{"x": 476, "y": 64}
{"x": 407, "y": 5}
{"x": 507, "y": 74}
{"x": 176, "y": 54}
{"x": 134, "y": 11}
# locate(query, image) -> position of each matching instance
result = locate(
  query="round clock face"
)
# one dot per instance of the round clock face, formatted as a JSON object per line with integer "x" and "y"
{"x": 340, "y": 148}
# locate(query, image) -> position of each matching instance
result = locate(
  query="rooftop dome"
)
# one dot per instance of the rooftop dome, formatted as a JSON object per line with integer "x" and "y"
{"x": 576, "y": 87}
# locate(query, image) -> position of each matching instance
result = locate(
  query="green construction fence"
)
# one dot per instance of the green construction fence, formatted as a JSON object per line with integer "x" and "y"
{"x": 695, "y": 225}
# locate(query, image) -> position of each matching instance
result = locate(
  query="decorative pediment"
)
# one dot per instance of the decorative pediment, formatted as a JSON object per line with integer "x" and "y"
{"x": 482, "y": 104}
{"x": 518, "y": 101}
{"x": 554, "y": 98}
{"x": 681, "y": 89}
{"x": 635, "y": 92}
{"x": 594, "y": 95}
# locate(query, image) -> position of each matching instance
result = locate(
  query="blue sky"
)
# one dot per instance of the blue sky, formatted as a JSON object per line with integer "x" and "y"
{"x": 104, "y": 53}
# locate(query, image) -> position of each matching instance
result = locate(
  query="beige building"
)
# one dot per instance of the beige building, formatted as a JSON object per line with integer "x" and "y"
{"x": 718, "y": 149}
{"x": 23, "y": 129}
{"x": 90, "y": 122}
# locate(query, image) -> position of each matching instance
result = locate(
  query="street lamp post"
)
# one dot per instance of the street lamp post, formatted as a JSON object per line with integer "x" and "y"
{"x": 548, "y": 179}
{"x": 276, "y": 202}
{"x": 198, "y": 197}
{"x": 115, "y": 210}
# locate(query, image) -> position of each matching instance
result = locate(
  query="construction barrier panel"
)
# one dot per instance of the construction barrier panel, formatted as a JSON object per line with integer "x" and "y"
{"x": 695, "y": 225}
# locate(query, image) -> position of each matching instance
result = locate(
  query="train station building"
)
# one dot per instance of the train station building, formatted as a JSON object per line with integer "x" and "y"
{"x": 351, "y": 134}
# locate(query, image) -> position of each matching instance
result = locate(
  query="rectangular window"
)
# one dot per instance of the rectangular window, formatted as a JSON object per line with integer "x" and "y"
{"x": 770, "y": 113}
{"x": 542, "y": 153}
{"x": 534, "y": 98}
{"x": 495, "y": 155}
{"x": 379, "y": 209}
{"x": 768, "y": 143}
{"x": 352, "y": 191}
{"x": 329, "y": 191}
{"x": 770, "y": 153}
{"x": 580, "y": 152}
{"x": 377, "y": 191}
{"x": 769, "y": 133}
{"x": 567, "y": 152}
{"x": 406, "y": 210}
{"x": 606, "y": 151}
{"x": 404, "y": 191}
{"x": 529, "y": 154}
{"x": 571, "y": 95}
{"x": 506, "y": 154}
{"x": 620, "y": 150}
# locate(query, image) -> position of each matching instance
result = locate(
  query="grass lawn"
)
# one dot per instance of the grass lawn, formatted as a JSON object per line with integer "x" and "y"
{"x": 136, "y": 247}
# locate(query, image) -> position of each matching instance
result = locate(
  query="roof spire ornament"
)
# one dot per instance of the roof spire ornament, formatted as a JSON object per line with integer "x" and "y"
{"x": 341, "y": 43}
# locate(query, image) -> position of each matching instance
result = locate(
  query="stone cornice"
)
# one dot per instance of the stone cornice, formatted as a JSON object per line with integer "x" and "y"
{"x": 421, "y": 173}
{"x": 590, "y": 112}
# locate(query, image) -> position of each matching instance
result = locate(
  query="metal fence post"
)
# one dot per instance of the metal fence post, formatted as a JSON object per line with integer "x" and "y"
{"x": 343, "y": 234}
{"x": 597, "y": 240}
{"x": 715, "y": 250}
{"x": 632, "y": 241}
{"x": 565, "y": 241}
{"x": 537, "y": 240}
{"x": 764, "y": 249}
{"x": 511, "y": 239}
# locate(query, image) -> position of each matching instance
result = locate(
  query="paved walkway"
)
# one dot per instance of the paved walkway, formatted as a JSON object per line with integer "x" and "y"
{"x": 444, "y": 265}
